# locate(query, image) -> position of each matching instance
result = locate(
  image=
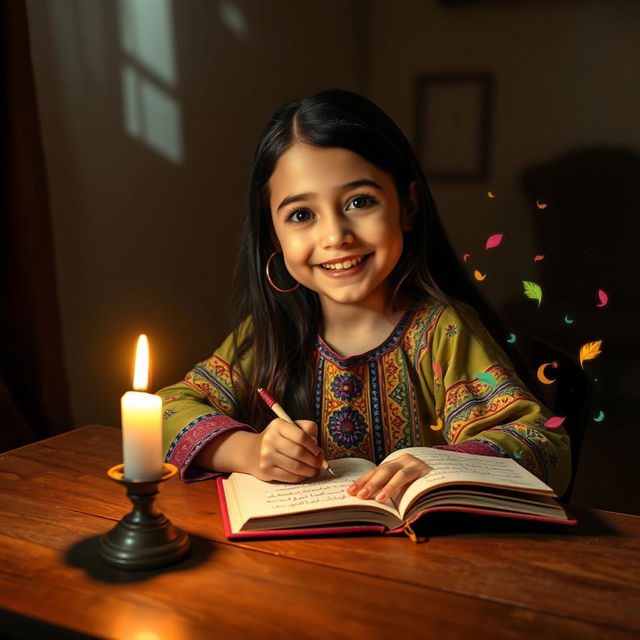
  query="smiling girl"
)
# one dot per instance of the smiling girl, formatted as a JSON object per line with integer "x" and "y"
{"x": 352, "y": 309}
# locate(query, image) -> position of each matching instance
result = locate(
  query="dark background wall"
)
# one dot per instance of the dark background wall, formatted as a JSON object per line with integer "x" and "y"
{"x": 150, "y": 111}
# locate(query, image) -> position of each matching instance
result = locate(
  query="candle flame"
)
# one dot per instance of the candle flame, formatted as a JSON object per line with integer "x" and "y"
{"x": 141, "y": 370}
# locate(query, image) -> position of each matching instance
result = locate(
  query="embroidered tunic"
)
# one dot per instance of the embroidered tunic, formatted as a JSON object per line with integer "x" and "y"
{"x": 438, "y": 380}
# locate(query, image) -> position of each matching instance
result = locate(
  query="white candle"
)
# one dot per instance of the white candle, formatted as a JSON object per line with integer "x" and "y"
{"x": 141, "y": 423}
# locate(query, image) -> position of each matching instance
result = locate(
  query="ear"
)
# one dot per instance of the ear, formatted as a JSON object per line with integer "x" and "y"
{"x": 410, "y": 209}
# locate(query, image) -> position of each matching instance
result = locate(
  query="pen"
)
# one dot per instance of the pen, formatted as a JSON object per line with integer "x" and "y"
{"x": 270, "y": 401}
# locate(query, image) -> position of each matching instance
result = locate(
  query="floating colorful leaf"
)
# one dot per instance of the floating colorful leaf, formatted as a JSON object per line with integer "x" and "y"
{"x": 555, "y": 422}
{"x": 493, "y": 241}
{"x": 533, "y": 291}
{"x": 540, "y": 204}
{"x": 465, "y": 256}
{"x": 479, "y": 276}
{"x": 538, "y": 258}
{"x": 599, "y": 417}
{"x": 487, "y": 378}
{"x": 604, "y": 298}
{"x": 589, "y": 351}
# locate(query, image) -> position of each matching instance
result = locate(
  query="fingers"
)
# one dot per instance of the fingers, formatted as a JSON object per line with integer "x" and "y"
{"x": 288, "y": 453}
{"x": 310, "y": 428}
{"x": 387, "y": 480}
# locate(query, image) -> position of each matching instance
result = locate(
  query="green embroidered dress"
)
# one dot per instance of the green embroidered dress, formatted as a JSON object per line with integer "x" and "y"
{"x": 438, "y": 380}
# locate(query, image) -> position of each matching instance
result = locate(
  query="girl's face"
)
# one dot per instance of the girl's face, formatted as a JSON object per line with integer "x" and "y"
{"x": 339, "y": 223}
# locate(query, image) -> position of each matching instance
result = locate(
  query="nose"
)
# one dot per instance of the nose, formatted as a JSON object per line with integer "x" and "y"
{"x": 335, "y": 231}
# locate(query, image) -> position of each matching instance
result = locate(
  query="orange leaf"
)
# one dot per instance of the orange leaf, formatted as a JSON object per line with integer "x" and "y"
{"x": 589, "y": 351}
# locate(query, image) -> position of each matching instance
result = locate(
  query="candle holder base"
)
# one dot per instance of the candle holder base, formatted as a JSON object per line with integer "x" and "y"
{"x": 144, "y": 538}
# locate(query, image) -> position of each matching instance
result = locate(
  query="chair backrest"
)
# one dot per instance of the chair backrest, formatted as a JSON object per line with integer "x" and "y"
{"x": 568, "y": 396}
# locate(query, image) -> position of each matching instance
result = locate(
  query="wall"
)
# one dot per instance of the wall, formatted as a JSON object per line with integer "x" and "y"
{"x": 564, "y": 78}
{"x": 149, "y": 122}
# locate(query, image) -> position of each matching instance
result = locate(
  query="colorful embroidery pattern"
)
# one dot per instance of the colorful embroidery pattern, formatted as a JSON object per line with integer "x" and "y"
{"x": 346, "y": 387}
{"x": 194, "y": 436}
{"x": 167, "y": 413}
{"x": 534, "y": 454}
{"x": 470, "y": 401}
{"x": 214, "y": 379}
{"x": 347, "y": 427}
{"x": 371, "y": 408}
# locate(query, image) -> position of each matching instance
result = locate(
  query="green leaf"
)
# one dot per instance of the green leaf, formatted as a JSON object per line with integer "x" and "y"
{"x": 533, "y": 291}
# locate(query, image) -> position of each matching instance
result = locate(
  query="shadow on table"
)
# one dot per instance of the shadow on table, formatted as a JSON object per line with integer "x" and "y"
{"x": 452, "y": 524}
{"x": 84, "y": 555}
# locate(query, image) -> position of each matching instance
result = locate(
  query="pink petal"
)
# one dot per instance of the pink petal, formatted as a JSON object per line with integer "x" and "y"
{"x": 537, "y": 258}
{"x": 604, "y": 298}
{"x": 555, "y": 422}
{"x": 494, "y": 241}
{"x": 465, "y": 256}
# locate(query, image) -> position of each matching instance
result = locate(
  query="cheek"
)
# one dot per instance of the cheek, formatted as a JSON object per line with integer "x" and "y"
{"x": 294, "y": 248}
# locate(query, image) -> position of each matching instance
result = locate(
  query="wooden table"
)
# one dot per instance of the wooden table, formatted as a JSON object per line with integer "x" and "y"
{"x": 468, "y": 581}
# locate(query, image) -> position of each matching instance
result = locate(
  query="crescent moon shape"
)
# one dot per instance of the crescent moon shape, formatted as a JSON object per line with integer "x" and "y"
{"x": 599, "y": 417}
{"x": 491, "y": 194}
{"x": 568, "y": 320}
{"x": 511, "y": 338}
{"x": 540, "y": 204}
{"x": 541, "y": 375}
{"x": 479, "y": 276}
{"x": 438, "y": 425}
{"x": 465, "y": 256}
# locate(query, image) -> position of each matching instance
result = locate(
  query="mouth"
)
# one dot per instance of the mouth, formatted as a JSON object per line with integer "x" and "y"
{"x": 345, "y": 265}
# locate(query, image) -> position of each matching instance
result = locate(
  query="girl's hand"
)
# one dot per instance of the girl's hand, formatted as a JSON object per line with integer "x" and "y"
{"x": 388, "y": 479}
{"x": 286, "y": 452}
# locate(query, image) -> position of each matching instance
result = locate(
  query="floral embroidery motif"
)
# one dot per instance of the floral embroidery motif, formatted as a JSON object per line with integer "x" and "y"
{"x": 167, "y": 413}
{"x": 346, "y": 387}
{"x": 452, "y": 329}
{"x": 347, "y": 427}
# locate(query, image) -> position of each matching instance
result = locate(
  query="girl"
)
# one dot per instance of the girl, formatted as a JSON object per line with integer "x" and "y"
{"x": 350, "y": 309}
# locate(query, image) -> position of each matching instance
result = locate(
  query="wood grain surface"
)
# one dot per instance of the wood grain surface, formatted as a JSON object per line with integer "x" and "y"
{"x": 471, "y": 579}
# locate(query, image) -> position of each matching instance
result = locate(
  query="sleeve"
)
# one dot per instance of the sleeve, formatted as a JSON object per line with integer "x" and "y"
{"x": 483, "y": 406}
{"x": 200, "y": 408}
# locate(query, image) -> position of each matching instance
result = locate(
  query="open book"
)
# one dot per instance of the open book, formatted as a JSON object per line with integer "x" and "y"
{"x": 456, "y": 482}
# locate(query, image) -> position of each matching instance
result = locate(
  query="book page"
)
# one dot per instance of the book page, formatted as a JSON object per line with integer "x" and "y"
{"x": 466, "y": 468}
{"x": 255, "y": 499}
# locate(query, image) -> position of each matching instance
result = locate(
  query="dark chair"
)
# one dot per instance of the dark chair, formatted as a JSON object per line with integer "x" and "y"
{"x": 568, "y": 396}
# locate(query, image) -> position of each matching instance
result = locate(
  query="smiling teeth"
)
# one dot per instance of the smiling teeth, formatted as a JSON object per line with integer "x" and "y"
{"x": 347, "y": 264}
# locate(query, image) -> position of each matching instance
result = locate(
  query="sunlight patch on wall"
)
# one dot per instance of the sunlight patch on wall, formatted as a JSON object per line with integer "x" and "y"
{"x": 151, "y": 112}
{"x": 233, "y": 18}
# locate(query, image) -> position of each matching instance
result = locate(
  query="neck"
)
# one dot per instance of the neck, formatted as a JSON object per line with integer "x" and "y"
{"x": 351, "y": 329}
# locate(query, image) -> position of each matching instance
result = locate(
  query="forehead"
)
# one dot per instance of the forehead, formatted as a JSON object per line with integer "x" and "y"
{"x": 307, "y": 169}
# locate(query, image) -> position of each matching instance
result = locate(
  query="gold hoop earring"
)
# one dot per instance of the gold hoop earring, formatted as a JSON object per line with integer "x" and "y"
{"x": 277, "y": 288}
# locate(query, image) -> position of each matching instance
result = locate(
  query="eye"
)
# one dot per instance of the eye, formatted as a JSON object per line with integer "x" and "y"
{"x": 365, "y": 198}
{"x": 299, "y": 216}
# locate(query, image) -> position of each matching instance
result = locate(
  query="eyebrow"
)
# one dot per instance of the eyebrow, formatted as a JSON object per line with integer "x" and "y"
{"x": 362, "y": 182}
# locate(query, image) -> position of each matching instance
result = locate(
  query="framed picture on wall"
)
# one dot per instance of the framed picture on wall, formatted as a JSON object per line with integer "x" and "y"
{"x": 453, "y": 125}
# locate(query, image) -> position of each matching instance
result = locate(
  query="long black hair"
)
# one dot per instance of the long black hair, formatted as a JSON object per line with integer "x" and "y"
{"x": 284, "y": 326}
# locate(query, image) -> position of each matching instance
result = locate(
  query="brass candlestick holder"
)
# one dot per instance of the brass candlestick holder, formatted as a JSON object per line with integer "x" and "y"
{"x": 144, "y": 538}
